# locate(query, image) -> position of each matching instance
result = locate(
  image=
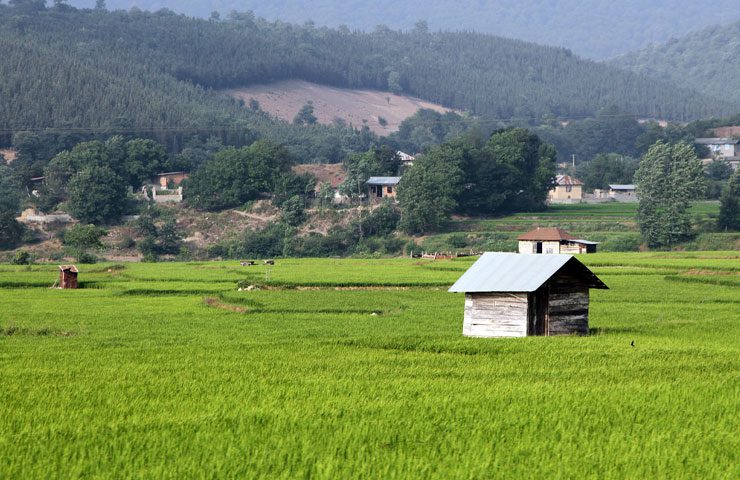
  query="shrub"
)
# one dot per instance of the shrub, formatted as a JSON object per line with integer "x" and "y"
{"x": 457, "y": 240}
{"x": 126, "y": 242}
{"x": 21, "y": 257}
{"x": 626, "y": 242}
{"x": 86, "y": 257}
{"x": 381, "y": 221}
{"x": 293, "y": 211}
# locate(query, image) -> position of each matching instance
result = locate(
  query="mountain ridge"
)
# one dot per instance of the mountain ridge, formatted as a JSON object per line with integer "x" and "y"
{"x": 598, "y": 29}
{"x": 706, "y": 61}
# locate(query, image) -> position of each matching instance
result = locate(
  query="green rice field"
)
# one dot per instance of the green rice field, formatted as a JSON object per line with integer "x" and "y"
{"x": 352, "y": 368}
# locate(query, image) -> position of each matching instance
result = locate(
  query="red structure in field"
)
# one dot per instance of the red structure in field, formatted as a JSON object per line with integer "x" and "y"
{"x": 67, "y": 276}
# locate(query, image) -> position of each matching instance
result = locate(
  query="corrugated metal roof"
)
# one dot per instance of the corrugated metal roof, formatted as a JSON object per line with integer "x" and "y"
{"x": 562, "y": 180}
{"x": 516, "y": 272}
{"x": 621, "y": 187}
{"x": 383, "y": 180}
{"x": 585, "y": 242}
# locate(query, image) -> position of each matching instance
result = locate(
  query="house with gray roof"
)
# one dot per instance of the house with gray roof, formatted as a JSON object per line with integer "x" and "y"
{"x": 380, "y": 187}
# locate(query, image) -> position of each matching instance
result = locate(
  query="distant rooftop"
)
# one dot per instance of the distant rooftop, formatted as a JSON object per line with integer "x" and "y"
{"x": 567, "y": 180}
{"x": 405, "y": 157}
{"x": 717, "y": 141}
{"x": 621, "y": 187}
{"x": 547, "y": 234}
{"x": 383, "y": 181}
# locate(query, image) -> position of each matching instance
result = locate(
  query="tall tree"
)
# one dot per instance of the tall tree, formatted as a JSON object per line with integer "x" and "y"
{"x": 11, "y": 189}
{"x": 97, "y": 195}
{"x": 11, "y": 231}
{"x": 427, "y": 192}
{"x": 729, "y": 206}
{"x": 668, "y": 178}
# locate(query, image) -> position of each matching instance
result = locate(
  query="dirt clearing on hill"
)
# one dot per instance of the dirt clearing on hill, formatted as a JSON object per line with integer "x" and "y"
{"x": 9, "y": 155}
{"x": 285, "y": 99}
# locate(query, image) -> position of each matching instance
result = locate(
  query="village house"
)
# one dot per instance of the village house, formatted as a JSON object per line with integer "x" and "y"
{"x": 406, "y": 159}
{"x": 514, "y": 295}
{"x": 624, "y": 192}
{"x": 380, "y": 187}
{"x": 553, "y": 241}
{"x": 167, "y": 187}
{"x": 171, "y": 180}
{"x": 567, "y": 190}
{"x": 720, "y": 147}
{"x": 733, "y": 162}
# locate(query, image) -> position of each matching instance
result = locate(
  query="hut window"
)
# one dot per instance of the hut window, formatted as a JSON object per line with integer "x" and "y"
{"x": 390, "y": 190}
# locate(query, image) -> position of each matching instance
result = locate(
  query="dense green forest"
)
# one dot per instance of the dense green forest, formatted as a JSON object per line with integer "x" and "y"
{"x": 596, "y": 29}
{"x": 706, "y": 61}
{"x": 156, "y": 73}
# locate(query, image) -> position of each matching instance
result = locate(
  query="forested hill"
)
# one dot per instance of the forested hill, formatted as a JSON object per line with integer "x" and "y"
{"x": 708, "y": 61}
{"x": 93, "y": 68}
{"x": 596, "y": 28}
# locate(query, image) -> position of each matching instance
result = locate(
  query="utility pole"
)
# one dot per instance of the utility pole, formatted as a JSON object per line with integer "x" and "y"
{"x": 574, "y": 160}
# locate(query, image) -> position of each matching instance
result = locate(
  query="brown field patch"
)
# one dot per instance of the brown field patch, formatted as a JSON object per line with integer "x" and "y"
{"x": 216, "y": 303}
{"x": 701, "y": 272}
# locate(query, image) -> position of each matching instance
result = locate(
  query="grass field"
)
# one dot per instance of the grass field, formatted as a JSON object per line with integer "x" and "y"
{"x": 358, "y": 369}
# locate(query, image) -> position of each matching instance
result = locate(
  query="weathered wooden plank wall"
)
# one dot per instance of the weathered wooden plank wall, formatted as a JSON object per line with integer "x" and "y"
{"x": 495, "y": 315}
{"x": 568, "y": 313}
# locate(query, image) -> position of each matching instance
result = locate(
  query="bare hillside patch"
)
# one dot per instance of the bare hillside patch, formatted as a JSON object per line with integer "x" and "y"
{"x": 9, "y": 155}
{"x": 358, "y": 107}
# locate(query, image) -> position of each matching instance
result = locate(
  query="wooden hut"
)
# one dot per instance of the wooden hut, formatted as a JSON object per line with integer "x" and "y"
{"x": 67, "y": 276}
{"x": 518, "y": 295}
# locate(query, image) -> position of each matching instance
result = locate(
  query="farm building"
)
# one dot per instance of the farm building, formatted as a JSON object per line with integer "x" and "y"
{"x": 567, "y": 190}
{"x": 515, "y": 295}
{"x": 379, "y": 187}
{"x": 553, "y": 240}
{"x": 67, "y": 276}
{"x": 622, "y": 192}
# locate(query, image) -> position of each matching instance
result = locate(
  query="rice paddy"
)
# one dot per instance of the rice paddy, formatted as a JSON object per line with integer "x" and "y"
{"x": 350, "y": 368}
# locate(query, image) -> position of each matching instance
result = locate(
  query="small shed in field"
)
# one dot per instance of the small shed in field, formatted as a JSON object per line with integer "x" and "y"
{"x": 519, "y": 295}
{"x": 67, "y": 276}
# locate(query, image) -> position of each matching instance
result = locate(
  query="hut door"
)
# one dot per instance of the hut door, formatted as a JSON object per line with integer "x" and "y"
{"x": 539, "y": 247}
{"x": 538, "y": 309}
